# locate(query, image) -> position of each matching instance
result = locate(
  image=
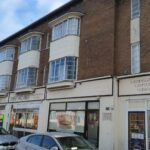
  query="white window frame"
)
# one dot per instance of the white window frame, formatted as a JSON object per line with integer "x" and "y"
{"x": 7, "y": 85}
{"x": 132, "y": 67}
{"x": 136, "y": 16}
{"x": 19, "y": 86}
{"x": 54, "y": 37}
{"x": 30, "y": 46}
{"x": 65, "y": 70}
{"x": 6, "y": 51}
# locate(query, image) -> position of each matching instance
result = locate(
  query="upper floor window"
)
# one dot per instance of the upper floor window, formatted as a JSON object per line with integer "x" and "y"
{"x": 7, "y": 54}
{"x": 32, "y": 43}
{"x": 135, "y": 8}
{"x": 26, "y": 77}
{"x": 135, "y": 58}
{"x": 4, "y": 82}
{"x": 67, "y": 27}
{"x": 62, "y": 69}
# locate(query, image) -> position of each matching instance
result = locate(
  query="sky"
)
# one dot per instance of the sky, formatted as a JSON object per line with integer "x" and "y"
{"x": 17, "y": 14}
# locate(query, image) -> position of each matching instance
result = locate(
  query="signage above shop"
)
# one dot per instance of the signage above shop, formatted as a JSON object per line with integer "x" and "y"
{"x": 134, "y": 86}
{"x": 37, "y": 95}
{"x": 97, "y": 87}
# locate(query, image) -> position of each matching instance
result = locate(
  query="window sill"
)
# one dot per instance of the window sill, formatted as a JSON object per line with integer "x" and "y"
{"x": 25, "y": 90}
{"x": 61, "y": 85}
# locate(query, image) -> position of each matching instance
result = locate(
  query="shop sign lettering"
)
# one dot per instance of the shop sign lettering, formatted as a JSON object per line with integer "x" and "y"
{"x": 134, "y": 86}
{"x": 141, "y": 85}
{"x": 38, "y": 95}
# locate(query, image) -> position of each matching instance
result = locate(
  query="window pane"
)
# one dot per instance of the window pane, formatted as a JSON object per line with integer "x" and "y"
{"x": 35, "y": 43}
{"x": 26, "y": 118}
{"x": 7, "y": 54}
{"x": 36, "y": 139}
{"x": 58, "y": 106}
{"x": 62, "y": 69}
{"x": 73, "y": 26}
{"x": 32, "y": 119}
{"x": 135, "y": 8}
{"x": 48, "y": 142}
{"x": 4, "y": 83}
{"x": 135, "y": 60}
{"x": 76, "y": 106}
{"x": 31, "y": 43}
{"x": 67, "y": 120}
{"x": 71, "y": 68}
{"x": 69, "y": 26}
{"x": 26, "y": 77}
{"x": 93, "y": 105}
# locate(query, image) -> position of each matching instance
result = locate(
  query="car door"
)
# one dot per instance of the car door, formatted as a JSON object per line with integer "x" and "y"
{"x": 48, "y": 142}
{"x": 34, "y": 142}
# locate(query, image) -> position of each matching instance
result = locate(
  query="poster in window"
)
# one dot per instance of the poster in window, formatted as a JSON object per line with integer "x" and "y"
{"x": 67, "y": 120}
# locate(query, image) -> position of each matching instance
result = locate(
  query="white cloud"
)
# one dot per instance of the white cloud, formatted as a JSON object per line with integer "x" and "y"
{"x": 11, "y": 23}
{"x": 49, "y": 5}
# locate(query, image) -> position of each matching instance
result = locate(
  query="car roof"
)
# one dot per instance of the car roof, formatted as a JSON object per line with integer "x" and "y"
{"x": 60, "y": 134}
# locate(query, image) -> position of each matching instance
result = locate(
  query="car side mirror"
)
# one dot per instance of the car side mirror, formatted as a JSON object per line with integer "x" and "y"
{"x": 54, "y": 148}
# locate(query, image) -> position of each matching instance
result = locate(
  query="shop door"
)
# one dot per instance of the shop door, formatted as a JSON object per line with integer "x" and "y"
{"x": 137, "y": 131}
{"x": 93, "y": 127}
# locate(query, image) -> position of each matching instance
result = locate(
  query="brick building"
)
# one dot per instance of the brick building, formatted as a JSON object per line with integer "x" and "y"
{"x": 83, "y": 68}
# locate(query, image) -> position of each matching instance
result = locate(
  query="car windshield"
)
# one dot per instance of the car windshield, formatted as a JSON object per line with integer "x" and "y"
{"x": 74, "y": 143}
{"x": 3, "y": 131}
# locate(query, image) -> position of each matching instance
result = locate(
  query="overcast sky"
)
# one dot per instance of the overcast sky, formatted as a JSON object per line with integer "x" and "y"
{"x": 16, "y": 14}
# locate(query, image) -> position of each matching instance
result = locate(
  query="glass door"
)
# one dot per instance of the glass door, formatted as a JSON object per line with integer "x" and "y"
{"x": 93, "y": 127}
{"x": 137, "y": 131}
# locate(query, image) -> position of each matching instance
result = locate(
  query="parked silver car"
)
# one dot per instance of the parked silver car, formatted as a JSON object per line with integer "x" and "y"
{"x": 53, "y": 141}
{"x": 7, "y": 141}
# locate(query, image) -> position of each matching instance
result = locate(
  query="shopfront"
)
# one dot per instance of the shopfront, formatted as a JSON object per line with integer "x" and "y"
{"x": 86, "y": 109}
{"x": 134, "y": 93}
{"x": 25, "y": 111}
{"x": 78, "y": 117}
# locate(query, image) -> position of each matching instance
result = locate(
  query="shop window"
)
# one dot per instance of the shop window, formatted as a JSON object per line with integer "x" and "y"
{"x": 137, "y": 131}
{"x": 4, "y": 83}
{"x": 62, "y": 69}
{"x": 7, "y": 54}
{"x": 67, "y": 27}
{"x": 26, "y": 78}
{"x": 32, "y": 43}
{"x": 67, "y": 120}
{"x": 79, "y": 117}
{"x": 24, "y": 118}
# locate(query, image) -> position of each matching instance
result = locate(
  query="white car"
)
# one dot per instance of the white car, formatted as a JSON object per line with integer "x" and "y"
{"x": 7, "y": 141}
{"x": 53, "y": 141}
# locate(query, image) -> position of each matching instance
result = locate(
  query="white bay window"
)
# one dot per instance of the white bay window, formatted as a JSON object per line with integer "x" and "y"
{"x": 26, "y": 78}
{"x": 67, "y": 27}
{"x": 62, "y": 69}
{"x": 31, "y": 43}
{"x": 7, "y": 54}
{"x": 4, "y": 83}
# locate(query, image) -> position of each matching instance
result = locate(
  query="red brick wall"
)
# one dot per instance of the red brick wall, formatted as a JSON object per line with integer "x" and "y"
{"x": 97, "y": 39}
{"x": 122, "y": 38}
